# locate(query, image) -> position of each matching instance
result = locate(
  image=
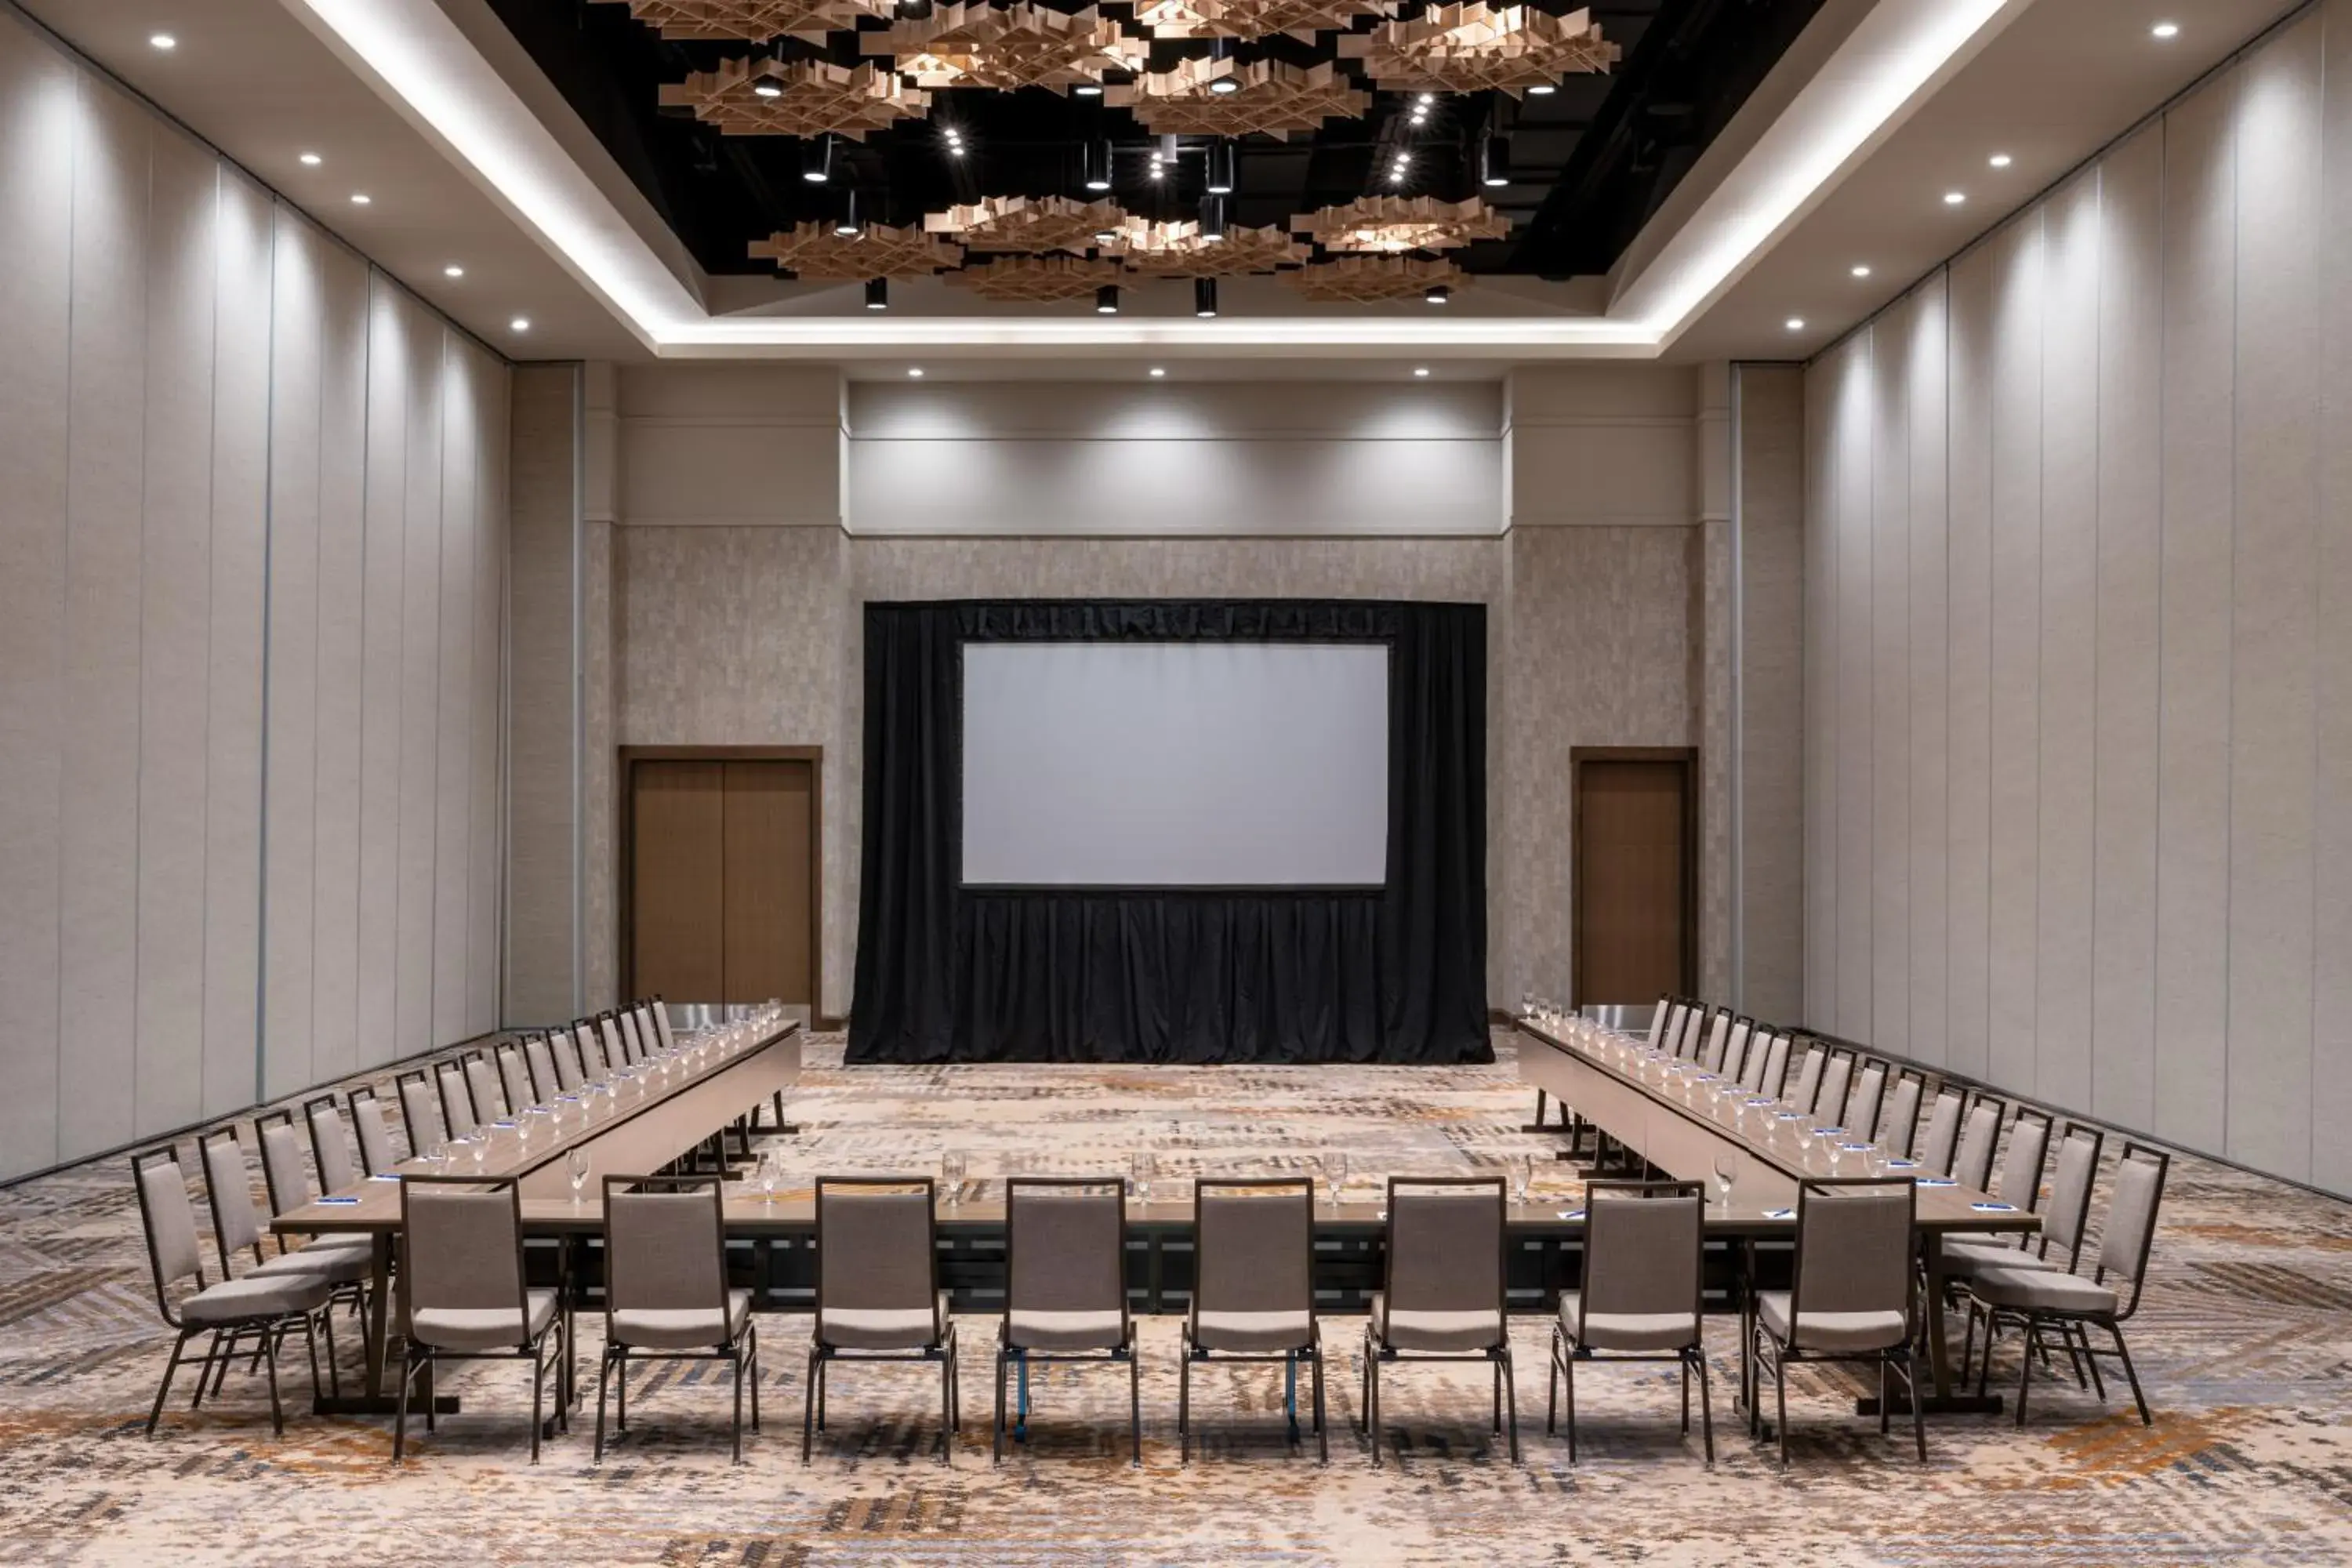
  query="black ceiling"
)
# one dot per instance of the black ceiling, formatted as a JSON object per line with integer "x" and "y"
{"x": 1588, "y": 163}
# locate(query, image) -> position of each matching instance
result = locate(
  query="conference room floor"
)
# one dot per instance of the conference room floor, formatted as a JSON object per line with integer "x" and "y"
{"x": 2243, "y": 1341}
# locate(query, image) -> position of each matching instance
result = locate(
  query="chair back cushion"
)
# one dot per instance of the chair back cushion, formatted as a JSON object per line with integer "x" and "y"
{"x": 1943, "y": 1132}
{"x": 1253, "y": 1245}
{"x": 460, "y": 1248}
{"x": 567, "y": 1075}
{"x": 2020, "y": 1182}
{"x": 2131, "y": 1216}
{"x": 545, "y": 1085}
{"x": 1869, "y": 1098}
{"x": 662, "y": 1251}
{"x": 1808, "y": 1077}
{"x": 2070, "y": 1189}
{"x": 1712, "y": 1058}
{"x": 1776, "y": 1066}
{"x": 592, "y": 1052}
{"x": 482, "y": 1089}
{"x": 237, "y": 1224}
{"x": 874, "y": 1247}
{"x": 1641, "y": 1253}
{"x": 1853, "y": 1247}
{"x": 660, "y": 1012}
{"x": 1692, "y": 1024}
{"x": 375, "y": 1137}
{"x": 1446, "y": 1247}
{"x": 171, "y": 1221}
{"x": 457, "y": 1111}
{"x": 514, "y": 1079}
{"x": 1830, "y": 1103}
{"x": 330, "y": 1146}
{"x": 631, "y": 1040}
{"x": 1065, "y": 1249}
{"x": 282, "y": 1163}
{"x": 1899, "y": 1128}
{"x": 1973, "y": 1164}
{"x": 1736, "y": 1052}
{"x": 1659, "y": 1016}
{"x": 616, "y": 1050}
{"x": 417, "y": 1108}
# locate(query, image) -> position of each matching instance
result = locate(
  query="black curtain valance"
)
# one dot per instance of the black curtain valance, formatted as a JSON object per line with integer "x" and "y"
{"x": 1177, "y": 975}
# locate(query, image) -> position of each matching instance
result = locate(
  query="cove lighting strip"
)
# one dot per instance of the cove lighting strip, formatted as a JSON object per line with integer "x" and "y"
{"x": 419, "y": 61}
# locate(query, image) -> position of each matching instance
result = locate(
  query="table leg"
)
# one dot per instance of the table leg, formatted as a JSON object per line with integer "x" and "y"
{"x": 379, "y": 1398}
{"x": 1941, "y": 1399}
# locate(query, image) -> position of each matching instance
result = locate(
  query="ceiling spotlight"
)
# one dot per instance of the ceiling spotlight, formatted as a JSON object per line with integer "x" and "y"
{"x": 311, "y": 160}
{"x": 1436, "y": 294}
{"x": 1421, "y": 371}
{"x": 1158, "y": 168}
{"x": 1222, "y": 161}
{"x": 877, "y": 294}
{"x": 1795, "y": 323}
{"x": 1223, "y": 85}
{"x": 361, "y": 198}
{"x": 816, "y": 161}
{"x": 2000, "y": 160}
{"x": 1493, "y": 161}
{"x": 1426, "y": 98}
{"x": 915, "y": 10}
{"x": 1860, "y": 269}
{"x": 1204, "y": 298}
{"x": 520, "y": 325}
{"x": 1156, "y": 373}
{"x": 955, "y": 148}
{"x": 1106, "y": 236}
{"x": 914, "y": 372}
{"x": 1543, "y": 89}
{"x": 2161, "y": 30}
{"x": 767, "y": 87}
{"x": 1954, "y": 198}
{"x": 1107, "y": 299}
{"x": 1212, "y": 219}
{"x": 848, "y": 225}
{"x": 1098, "y": 165}
{"x": 453, "y": 270}
{"x": 162, "y": 41}
{"x": 1089, "y": 89}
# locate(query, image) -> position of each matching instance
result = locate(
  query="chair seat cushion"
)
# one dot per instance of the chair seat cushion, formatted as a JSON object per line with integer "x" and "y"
{"x": 682, "y": 1328}
{"x": 1964, "y": 1259}
{"x": 1097, "y": 1330}
{"x": 483, "y": 1327}
{"x": 255, "y": 1296}
{"x": 2042, "y": 1290}
{"x": 883, "y": 1328}
{"x": 1254, "y": 1333}
{"x": 1832, "y": 1331}
{"x": 1435, "y": 1333}
{"x": 339, "y": 1241}
{"x": 338, "y": 1266}
{"x": 1626, "y": 1330}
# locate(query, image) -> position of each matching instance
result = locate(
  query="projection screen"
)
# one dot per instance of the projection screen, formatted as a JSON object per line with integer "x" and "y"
{"x": 1175, "y": 765}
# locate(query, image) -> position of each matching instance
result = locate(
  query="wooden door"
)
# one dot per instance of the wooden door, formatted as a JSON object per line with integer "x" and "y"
{"x": 1635, "y": 872}
{"x": 721, "y": 900}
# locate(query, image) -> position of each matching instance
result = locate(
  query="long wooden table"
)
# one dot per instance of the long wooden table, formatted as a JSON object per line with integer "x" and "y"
{"x": 649, "y": 1120}
{"x": 1681, "y": 1129}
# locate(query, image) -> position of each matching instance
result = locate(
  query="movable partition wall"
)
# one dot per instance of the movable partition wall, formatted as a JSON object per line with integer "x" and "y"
{"x": 1215, "y": 830}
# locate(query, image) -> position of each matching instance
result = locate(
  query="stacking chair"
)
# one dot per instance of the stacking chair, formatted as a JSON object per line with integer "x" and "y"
{"x": 540, "y": 1060}
{"x": 461, "y": 1245}
{"x": 617, "y": 1049}
{"x": 1868, "y": 1100}
{"x": 1735, "y": 1051}
{"x": 564, "y": 1045}
{"x": 1936, "y": 1151}
{"x": 1980, "y": 1136}
{"x": 1659, "y": 1017}
{"x": 877, "y": 1291}
{"x": 1065, "y": 1289}
{"x": 1807, "y": 1088}
{"x": 1642, "y": 1297}
{"x": 260, "y": 1308}
{"x": 2036, "y": 1298}
{"x": 593, "y": 1060}
{"x": 459, "y": 1113}
{"x": 1849, "y": 1296}
{"x": 288, "y": 1184}
{"x": 331, "y": 1144}
{"x": 377, "y": 1155}
{"x": 1254, "y": 1289}
{"x": 631, "y": 1040}
{"x": 514, "y": 1079}
{"x": 1770, "y": 1065}
{"x": 2061, "y": 1228}
{"x": 660, "y": 1010}
{"x": 666, "y": 1295}
{"x": 1444, "y": 1297}
{"x": 238, "y": 1228}
{"x": 1898, "y": 1130}
{"x": 1693, "y": 1023}
{"x": 1717, "y": 1036}
{"x": 417, "y": 1109}
{"x": 482, "y": 1090}
{"x": 1829, "y": 1100}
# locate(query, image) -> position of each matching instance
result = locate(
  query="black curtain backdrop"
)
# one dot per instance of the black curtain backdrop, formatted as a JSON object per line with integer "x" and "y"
{"x": 1173, "y": 974}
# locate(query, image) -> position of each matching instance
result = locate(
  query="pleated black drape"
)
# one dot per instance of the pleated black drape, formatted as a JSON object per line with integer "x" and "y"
{"x": 1178, "y": 974}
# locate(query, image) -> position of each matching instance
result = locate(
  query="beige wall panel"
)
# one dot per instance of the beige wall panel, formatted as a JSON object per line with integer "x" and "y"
{"x": 290, "y": 863}
{"x": 2193, "y": 764}
{"x": 2019, "y": 303}
{"x": 2068, "y": 643}
{"x": 1607, "y": 469}
{"x": 491, "y": 392}
{"x": 1892, "y": 375}
{"x": 1967, "y": 790}
{"x": 1926, "y": 610}
{"x": 240, "y": 563}
{"x": 343, "y": 428}
{"x": 175, "y": 616}
{"x": 105, "y": 453}
{"x": 420, "y": 724}
{"x": 2274, "y": 574}
{"x": 600, "y": 621}
{"x": 2124, "y": 840}
{"x": 692, "y": 472}
{"x": 39, "y": 111}
{"x": 542, "y": 845}
{"x": 1771, "y": 434}
{"x": 1851, "y": 603}
{"x": 1823, "y": 382}
{"x": 389, "y": 355}
{"x": 458, "y": 486}
{"x": 2331, "y": 1076}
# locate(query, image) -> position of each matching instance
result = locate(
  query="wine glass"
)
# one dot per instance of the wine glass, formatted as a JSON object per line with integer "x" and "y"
{"x": 575, "y": 1165}
{"x": 1143, "y": 1165}
{"x": 953, "y": 1167}
{"x": 1523, "y": 1176}
{"x": 1335, "y": 1172}
{"x": 437, "y": 1156}
{"x": 1727, "y": 1171}
{"x": 772, "y": 1176}
{"x": 1527, "y": 1005}
{"x": 481, "y": 1146}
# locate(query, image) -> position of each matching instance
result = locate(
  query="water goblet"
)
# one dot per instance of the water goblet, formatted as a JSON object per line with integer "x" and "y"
{"x": 772, "y": 1176}
{"x": 1143, "y": 1165}
{"x": 953, "y": 1167}
{"x": 1727, "y": 1171}
{"x": 482, "y": 1150}
{"x": 575, "y": 1165}
{"x": 1334, "y": 1163}
{"x": 1523, "y": 1176}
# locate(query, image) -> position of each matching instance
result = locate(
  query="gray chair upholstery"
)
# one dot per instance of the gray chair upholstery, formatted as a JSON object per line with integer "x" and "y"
{"x": 1667, "y": 1009}
{"x": 1808, "y": 1086}
{"x": 1898, "y": 1130}
{"x": 1719, "y": 1037}
{"x": 418, "y": 1109}
{"x": 633, "y": 1039}
{"x": 539, "y": 1060}
{"x": 1443, "y": 1293}
{"x": 2038, "y": 1300}
{"x": 593, "y": 1060}
{"x": 1939, "y": 1147}
{"x": 373, "y": 1132}
{"x": 331, "y": 1144}
{"x": 258, "y": 1310}
{"x": 461, "y": 1249}
{"x": 1694, "y": 1022}
{"x": 1641, "y": 1296}
{"x": 668, "y": 1035}
{"x": 1849, "y": 1298}
{"x": 1735, "y": 1051}
{"x": 1774, "y": 1073}
{"x": 877, "y": 1291}
{"x": 482, "y": 1089}
{"x": 1830, "y": 1100}
{"x": 616, "y": 1050}
{"x": 457, "y": 1111}
{"x": 666, "y": 1295}
{"x": 514, "y": 1079}
{"x": 1064, "y": 1287}
{"x": 564, "y": 1045}
{"x": 1979, "y": 1141}
{"x": 1864, "y": 1106}
{"x": 1253, "y": 1289}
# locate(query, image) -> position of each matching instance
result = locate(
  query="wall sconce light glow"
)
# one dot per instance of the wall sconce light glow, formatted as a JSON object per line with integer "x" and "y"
{"x": 163, "y": 41}
{"x": 2166, "y": 30}
{"x": 520, "y": 325}
{"x": 2000, "y": 160}
{"x": 311, "y": 160}
{"x": 1954, "y": 198}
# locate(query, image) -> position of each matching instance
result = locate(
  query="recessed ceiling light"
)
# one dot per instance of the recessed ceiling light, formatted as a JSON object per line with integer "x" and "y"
{"x": 453, "y": 270}
{"x": 1436, "y": 294}
{"x": 162, "y": 41}
{"x": 2000, "y": 160}
{"x": 1225, "y": 84}
{"x": 915, "y": 372}
{"x": 1861, "y": 270}
{"x": 767, "y": 89}
{"x": 1954, "y": 198}
{"x": 1420, "y": 370}
{"x": 2166, "y": 30}
{"x": 1796, "y": 324}
{"x": 520, "y": 325}
{"x": 1426, "y": 97}
{"x": 311, "y": 160}
{"x": 361, "y": 198}
{"x": 1157, "y": 373}
{"x": 877, "y": 293}
{"x": 1089, "y": 89}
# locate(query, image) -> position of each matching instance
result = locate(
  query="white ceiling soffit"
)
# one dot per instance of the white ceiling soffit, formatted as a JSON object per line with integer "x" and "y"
{"x": 417, "y": 58}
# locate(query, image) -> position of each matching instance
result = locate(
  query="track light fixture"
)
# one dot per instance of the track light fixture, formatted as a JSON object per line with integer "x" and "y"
{"x": 915, "y": 10}
{"x": 1222, "y": 161}
{"x": 848, "y": 224}
{"x": 1204, "y": 298}
{"x": 1098, "y": 165}
{"x": 816, "y": 161}
{"x": 1493, "y": 161}
{"x": 877, "y": 293}
{"x": 1212, "y": 219}
{"x": 1107, "y": 299}
{"x": 1437, "y": 294}
{"x": 767, "y": 86}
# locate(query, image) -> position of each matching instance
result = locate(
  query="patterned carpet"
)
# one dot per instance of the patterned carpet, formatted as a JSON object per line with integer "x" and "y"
{"x": 2243, "y": 1343}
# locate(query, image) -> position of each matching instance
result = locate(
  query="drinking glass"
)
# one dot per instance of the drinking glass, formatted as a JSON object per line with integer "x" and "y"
{"x": 1727, "y": 1171}
{"x": 1527, "y": 1004}
{"x": 481, "y": 1148}
{"x": 953, "y": 1167}
{"x": 575, "y": 1165}
{"x": 772, "y": 1176}
{"x": 1523, "y": 1176}
{"x": 1335, "y": 1171}
{"x": 1143, "y": 1165}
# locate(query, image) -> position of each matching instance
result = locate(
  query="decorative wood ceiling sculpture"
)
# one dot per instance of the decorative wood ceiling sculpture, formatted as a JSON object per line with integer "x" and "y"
{"x": 811, "y": 250}
{"x": 1300, "y": 19}
{"x": 1036, "y": 278}
{"x": 1270, "y": 97}
{"x": 1019, "y": 46}
{"x": 751, "y": 21}
{"x": 1394, "y": 224}
{"x": 1176, "y": 250}
{"x": 817, "y": 98}
{"x": 1473, "y": 49}
{"x": 1000, "y": 224}
{"x": 1368, "y": 279}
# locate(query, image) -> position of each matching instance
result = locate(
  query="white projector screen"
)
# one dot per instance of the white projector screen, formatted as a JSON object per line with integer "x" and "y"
{"x": 1175, "y": 765}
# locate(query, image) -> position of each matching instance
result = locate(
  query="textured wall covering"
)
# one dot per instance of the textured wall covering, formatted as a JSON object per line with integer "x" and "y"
{"x": 1769, "y": 800}
{"x": 252, "y": 557}
{"x": 543, "y": 844}
{"x": 2079, "y": 560}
